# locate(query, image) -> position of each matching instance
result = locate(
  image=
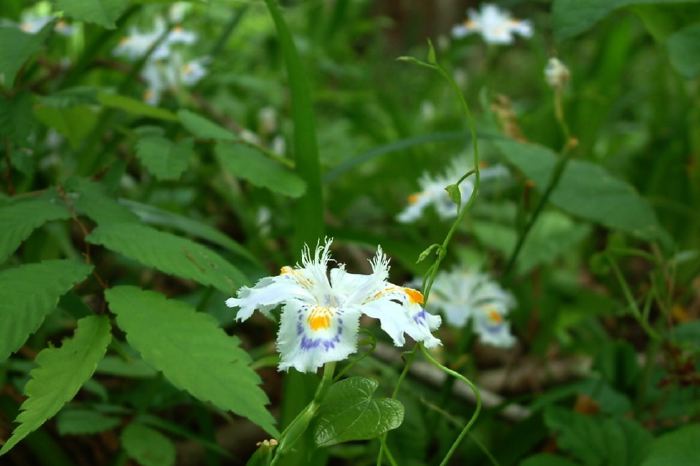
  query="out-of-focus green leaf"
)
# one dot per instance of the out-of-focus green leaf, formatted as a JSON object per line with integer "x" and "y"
{"x": 191, "y": 351}
{"x": 147, "y": 446}
{"x": 595, "y": 440}
{"x": 16, "y": 117}
{"x": 28, "y": 293}
{"x": 155, "y": 216}
{"x": 102, "y": 12}
{"x": 308, "y": 218}
{"x": 586, "y": 190}
{"x": 89, "y": 198}
{"x": 684, "y": 51}
{"x": 164, "y": 159}
{"x": 677, "y": 448}
{"x": 349, "y": 412}
{"x": 203, "y": 128}
{"x": 135, "y": 107}
{"x": 246, "y": 162}
{"x": 17, "y": 48}
{"x": 572, "y": 17}
{"x": 170, "y": 254}
{"x": 75, "y": 123}
{"x": 59, "y": 374}
{"x": 73, "y": 421}
{"x": 19, "y": 219}
{"x": 687, "y": 333}
{"x": 546, "y": 459}
{"x": 133, "y": 368}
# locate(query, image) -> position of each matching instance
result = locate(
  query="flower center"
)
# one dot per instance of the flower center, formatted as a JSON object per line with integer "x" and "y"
{"x": 414, "y": 296}
{"x": 494, "y": 316}
{"x": 320, "y": 318}
{"x": 413, "y": 198}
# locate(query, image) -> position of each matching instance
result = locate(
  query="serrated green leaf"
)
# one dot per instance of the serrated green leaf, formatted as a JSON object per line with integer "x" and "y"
{"x": 147, "y": 446}
{"x": 350, "y": 413}
{"x": 19, "y": 219}
{"x": 164, "y": 159}
{"x": 102, "y": 12}
{"x": 204, "y": 128}
{"x": 192, "y": 351}
{"x": 677, "y": 448}
{"x": 59, "y": 374}
{"x": 586, "y": 190}
{"x": 73, "y": 421}
{"x": 246, "y": 162}
{"x": 134, "y": 107}
{"x": 75, "y": 123}
{"x": 89, "y": 198}
{"x": 170, "y": 254}
{"x": 684, "y": 51}
{"x": 23, "y": 47}
{"x": 28, "y": 293}
{"x": 573, "y": 17}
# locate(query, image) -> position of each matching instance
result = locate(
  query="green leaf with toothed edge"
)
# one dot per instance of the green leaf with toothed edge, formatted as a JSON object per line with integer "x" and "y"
{"x": 170, "y": 254}
{"x": 192, "y": 351}
{"x": 102, "y": 12}
{"x": 19, "y": 219}
{"x": 28, "y": 293}
{"x": 59, "y": 374}
{"x": 147, "y": 446}
{"x": 164, "y": 159}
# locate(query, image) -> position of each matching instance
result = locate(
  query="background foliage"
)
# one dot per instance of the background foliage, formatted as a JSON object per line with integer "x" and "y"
{"x": 124, "y": 226}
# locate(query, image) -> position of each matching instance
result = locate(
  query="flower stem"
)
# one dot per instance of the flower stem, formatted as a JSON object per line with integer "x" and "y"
{"x": 300, "y": 423}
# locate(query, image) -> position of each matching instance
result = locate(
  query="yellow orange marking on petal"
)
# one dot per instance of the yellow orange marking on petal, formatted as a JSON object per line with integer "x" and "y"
{"x": 285, "y": 270}
{"x": 415, "y": 296}
{"x": 320, "y": 318}
{"x": 413, "y": 198}
{"x": 494, "y": 316}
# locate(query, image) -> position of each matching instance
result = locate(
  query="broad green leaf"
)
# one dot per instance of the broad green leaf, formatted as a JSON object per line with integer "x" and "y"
{"x": 164, "y": 159}
{"x": 203, "y": 128}
{"x": 572, "y": 17}
{"x": 349, "y": 412}
{"x": 684, "y": 51}
{"x": 75, "y": 123}
{"x": 677, "y": 448}
{"x": 597, "y": 440}
{"x": 546, "y": 459}
{"x": 192, "y": 351}
{"x": 159, "y": 217}
{"x": 19, "y": 219}
{"x": 586, "y": 190}
{"x": 89, "y": 198}
{"x": 16, "y": 117}
{"x": 308, "y": 218}
{"x": 22, "y": 47}
{"x": 133, "y": 368}
{"x": 246, "y": 162}
{"x": 687, "y": 334}
{"x": 102, "y": 12}
{"x": 28, "y": 293}
{"x": 59, "y": 374}
{"x": 135, "y": 107}
{"x": 147, "y": 446}
{"x": 170, "y": 254}
{"x": 74, "y": 421}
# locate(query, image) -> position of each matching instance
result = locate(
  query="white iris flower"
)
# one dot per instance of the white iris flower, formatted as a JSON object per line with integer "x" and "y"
{"x": 462, "y": 295}
{"x": 321, "y": 309}
{"x": 137, "y": 43}
{"x": 432, "y": 190}
{"x": 162, "y": 75}
{"x": 556, "y": 73}
{"x": 32, "y": 23}
{"x": 495, "y": 25}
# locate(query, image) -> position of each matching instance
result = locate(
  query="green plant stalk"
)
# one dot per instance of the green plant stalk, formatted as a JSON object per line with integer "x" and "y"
{"x": 308, "y": 217}
{"x": 558, "y": 171}
{"x": 475, "y": 415}
{"x": 429, "y": 278}
{"x": 631, "y": 303}
{"x": 301, "y": 422}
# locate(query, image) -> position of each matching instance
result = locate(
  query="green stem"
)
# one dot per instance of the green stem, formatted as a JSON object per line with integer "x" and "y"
{"x": 475, "y": 415}
{"x": 300, "y": 423}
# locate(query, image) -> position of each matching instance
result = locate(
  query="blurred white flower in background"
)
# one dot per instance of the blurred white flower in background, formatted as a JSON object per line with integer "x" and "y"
{"x": 494, "y": 24}
{"x": 32, "y": 22}
{"x": 267, "y": 120}
{"x": 556, "y": 73}
{"x": 462, "y": 295}
{"x": 432, "y": 190}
